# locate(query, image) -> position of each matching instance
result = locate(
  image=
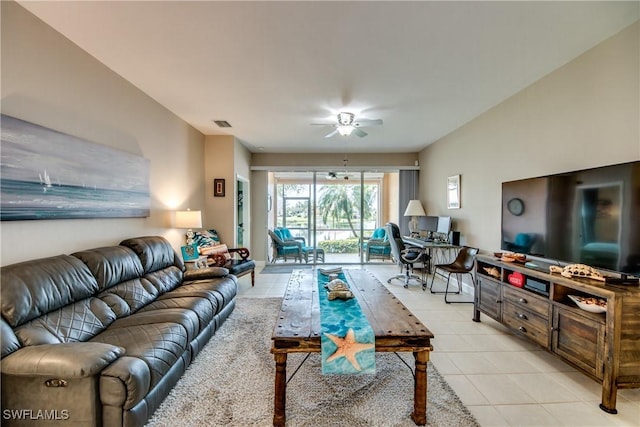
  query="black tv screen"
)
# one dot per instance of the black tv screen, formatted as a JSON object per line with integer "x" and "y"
{"x": 588, "y": 216}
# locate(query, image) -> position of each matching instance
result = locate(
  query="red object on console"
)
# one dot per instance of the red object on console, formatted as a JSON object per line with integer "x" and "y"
{"x": 516, "y": 279}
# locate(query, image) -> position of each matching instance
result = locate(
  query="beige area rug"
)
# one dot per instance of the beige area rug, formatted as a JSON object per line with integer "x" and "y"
{"x": 231, "y": 383}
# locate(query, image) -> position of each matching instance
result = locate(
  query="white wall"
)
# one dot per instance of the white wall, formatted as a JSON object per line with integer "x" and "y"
{"x": 49, "y": 81}
{"x": 585, "y": 114}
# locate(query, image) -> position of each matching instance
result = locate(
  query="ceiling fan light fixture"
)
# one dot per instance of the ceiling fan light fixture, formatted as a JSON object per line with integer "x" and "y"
{"x": 345, "y": 119}
{"x": 345, "y": 130}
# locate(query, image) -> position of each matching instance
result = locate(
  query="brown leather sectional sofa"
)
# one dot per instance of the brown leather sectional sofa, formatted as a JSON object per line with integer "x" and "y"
{"x": 99, "y": 337}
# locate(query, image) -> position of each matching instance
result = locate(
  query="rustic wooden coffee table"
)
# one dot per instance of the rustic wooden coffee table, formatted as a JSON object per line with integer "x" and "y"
{"x": 297, "y": 330}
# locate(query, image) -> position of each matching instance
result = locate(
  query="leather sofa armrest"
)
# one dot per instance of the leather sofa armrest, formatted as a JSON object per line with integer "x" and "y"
{"x": 206, "y": 273}
{"x": 69, "y": 360}
{"x": 125, "y": 382}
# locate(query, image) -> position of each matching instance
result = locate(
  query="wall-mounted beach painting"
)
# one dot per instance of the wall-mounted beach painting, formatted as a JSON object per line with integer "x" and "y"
{"x": 47, "y": 174}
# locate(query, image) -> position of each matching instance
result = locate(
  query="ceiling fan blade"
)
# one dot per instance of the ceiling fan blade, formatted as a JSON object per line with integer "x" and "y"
{"x": 367, "y": 122}
{"x": 322, "y": 124}
{"x": 330, "y": 134}
{"x": 360, "y": 132}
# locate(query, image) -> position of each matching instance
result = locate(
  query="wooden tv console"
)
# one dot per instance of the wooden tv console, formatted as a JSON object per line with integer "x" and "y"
{"x": 605, "y": 346}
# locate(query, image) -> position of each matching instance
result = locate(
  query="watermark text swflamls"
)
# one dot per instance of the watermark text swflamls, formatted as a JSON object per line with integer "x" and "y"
{"x": 35, "y": 414}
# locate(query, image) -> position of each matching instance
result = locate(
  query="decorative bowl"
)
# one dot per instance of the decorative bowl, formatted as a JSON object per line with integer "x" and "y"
{"x": 592, "y": 305}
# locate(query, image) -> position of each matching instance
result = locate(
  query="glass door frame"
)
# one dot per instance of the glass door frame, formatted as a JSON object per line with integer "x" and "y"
{"x": 313, "y": 180}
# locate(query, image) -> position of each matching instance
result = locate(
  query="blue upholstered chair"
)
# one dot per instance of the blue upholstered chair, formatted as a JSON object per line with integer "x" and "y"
{"x": 285, "y": 247}
{"x": 285, "y": 233}
{"x": 377, "y": 246}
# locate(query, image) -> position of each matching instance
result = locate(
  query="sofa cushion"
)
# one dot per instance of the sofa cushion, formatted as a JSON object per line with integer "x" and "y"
{"x": 75, "y": 322}
{"x": 204, "y": 308}
{"x": 182, "y": 316}
{"x": 155, "y": 253}
{"x": 166, "y": 279}
{"x": 126, "y": 298}
{"x": 33, "y": 288}
{"x": 220, "y": 292}
{"x": 111, "y": 265}
{"x": 159, "y": 345}
{"x": 9, "y": 340}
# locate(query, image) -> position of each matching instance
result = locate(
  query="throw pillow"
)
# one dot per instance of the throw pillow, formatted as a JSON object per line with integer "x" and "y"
{"x": 217, "y": 249}
{"x": 206, "y": 238}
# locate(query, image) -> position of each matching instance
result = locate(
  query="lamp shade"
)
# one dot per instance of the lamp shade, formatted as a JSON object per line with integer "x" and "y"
{"x": 188, "y": 219}
{"x": 414, "y": 208}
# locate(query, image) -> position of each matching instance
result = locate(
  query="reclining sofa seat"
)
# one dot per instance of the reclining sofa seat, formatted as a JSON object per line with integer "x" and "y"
{"x": 103, "y": 335}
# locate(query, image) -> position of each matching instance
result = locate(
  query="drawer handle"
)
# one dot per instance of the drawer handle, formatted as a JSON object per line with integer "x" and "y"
{"x": 523, "y": 301}
{"x": 522, "y": 316}
{"x": 498, "y": 301}
{"x": 522, "y": 329}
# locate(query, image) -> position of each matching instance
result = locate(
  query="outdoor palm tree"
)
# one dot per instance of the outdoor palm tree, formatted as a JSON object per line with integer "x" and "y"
{"x": 341, "y": 202}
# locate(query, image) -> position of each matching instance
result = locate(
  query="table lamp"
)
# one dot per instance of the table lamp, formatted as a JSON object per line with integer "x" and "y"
{"x": 414, "y": 210}
{"x": 189, "y": 219}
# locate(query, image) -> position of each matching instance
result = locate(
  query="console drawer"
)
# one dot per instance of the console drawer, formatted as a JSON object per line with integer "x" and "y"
{"x": 527, "y": 322}
{"x": 525, "y": 300}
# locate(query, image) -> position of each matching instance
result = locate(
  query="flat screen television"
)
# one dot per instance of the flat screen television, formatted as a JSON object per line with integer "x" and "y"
{"x": 588, "y": 216}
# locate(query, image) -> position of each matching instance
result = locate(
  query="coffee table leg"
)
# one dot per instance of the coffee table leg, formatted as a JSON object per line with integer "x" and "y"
{"x": 419, "y": 414}
{"x": 280, "y": 396}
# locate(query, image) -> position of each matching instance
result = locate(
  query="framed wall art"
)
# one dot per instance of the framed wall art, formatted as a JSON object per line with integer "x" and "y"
{"x": 48, "y": 174}
{"x": 453, "y": 192}
{"x": 218, "y": 187}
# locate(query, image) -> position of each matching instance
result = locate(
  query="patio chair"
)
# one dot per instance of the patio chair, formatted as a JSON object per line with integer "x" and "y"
{"x": 377, "y": 246}
{"x": 284, "y": 248}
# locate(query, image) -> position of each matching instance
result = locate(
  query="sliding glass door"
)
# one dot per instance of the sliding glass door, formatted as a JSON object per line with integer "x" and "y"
{"x": 334, "y": 212}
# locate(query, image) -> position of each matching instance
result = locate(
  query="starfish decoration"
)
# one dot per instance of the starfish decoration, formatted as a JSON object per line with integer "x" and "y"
{"x": 347, "y": 347}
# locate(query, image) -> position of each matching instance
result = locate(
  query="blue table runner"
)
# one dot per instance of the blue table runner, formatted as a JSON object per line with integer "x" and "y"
{"x": 347, "y": 339}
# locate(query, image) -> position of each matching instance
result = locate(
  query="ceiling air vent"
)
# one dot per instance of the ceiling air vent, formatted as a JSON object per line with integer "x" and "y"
{"x": 222, "y": 123}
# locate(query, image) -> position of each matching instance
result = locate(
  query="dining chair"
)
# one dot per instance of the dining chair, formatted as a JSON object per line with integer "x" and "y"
{"x": 463, "y": 264}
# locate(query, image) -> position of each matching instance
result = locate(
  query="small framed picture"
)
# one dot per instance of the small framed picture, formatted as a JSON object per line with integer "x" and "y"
{"x": 190, "y": 252}
{"x": 218, "y": 187}
{"x": 453, "y": 192}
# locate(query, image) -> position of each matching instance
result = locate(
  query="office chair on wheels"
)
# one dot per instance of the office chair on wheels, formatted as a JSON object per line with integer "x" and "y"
{"x": 463, "y": 264}
{"x": 405, "y": 256}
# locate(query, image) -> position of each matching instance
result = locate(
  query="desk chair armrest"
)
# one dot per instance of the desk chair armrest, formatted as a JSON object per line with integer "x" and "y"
{"x": 418, "y": 257}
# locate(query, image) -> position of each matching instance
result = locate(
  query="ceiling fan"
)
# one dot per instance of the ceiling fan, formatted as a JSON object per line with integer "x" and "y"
{"x": 347, "y": 123}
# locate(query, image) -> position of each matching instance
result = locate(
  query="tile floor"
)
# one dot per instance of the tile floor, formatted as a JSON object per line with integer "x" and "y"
{"x": 503, "y": 379}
